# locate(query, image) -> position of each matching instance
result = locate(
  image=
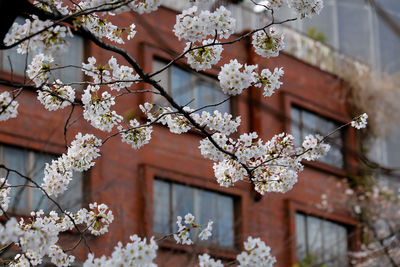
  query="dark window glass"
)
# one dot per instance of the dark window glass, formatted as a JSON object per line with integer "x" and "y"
{"x": 305, "y": 123}
{"x": 172, "y": 200}
{"x": 32, "y": 163}
{"x": 323, "y": 241}
{"x": 186, "y": 87}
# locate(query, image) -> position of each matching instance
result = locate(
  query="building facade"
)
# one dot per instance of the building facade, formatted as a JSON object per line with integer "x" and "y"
{"x": 146, "y": 189}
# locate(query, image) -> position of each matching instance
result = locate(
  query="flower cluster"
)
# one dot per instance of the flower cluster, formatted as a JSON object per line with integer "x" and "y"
{"x": 122, "y": 76}
{"x": 273, "y": 165}
{"x": 57, "y": 175}
{"x": 59, "y": 257}
{"x": 313, "y": 148}
{"x": 56, "y": 97}
{"x": 194, "y": 28}
{"x": 256, "y": 254}
{"x": 233, "y": 81}
{"x": 97, "y": 109}
{"x": 270, "y": 80}
{"x": 136, "y": 136}
{"x": 360, "y": 122}
{"x": 50, "y": 41}
{"x": 203, "y": 58}
{"x": 206, "y": 261}
{"x": 38, "y": 236}
{"x": 98, "y": 218}
{"x": 136, "y": 253}
{"x": 5, "y": 190}
{"x": 8, "y": 107}
{"x": 306, "y": 8}
{"x": 39, "y": 68}
{"x": 268, "y": 44}
{"x": 222, "y": 123}
{"x": 183, "y": 234}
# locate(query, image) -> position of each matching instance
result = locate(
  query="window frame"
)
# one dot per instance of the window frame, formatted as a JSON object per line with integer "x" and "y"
{"x": 195, "y": 79}
{"x": 349, "y": 134}
{"x": 148, "y": 173}
{"x": 339, "y": 217}
{"x": 19, "y": 77}
{"x": 30, "y": 191}
{"x": 172, "y": 219}
{"x": 149, "y": 52}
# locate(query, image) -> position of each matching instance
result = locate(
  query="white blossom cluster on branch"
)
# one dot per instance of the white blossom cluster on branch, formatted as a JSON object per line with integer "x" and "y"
{"x": 186, "y": 225}
{"x": 360, "y": 122}
{"x": 204, "y": 57}
{"x": 57, "y": 175}
{"x": 38, "y": 236}
{"x": 234, "y": 80}
{"x": 197, "y": 27}
{"x": 5, "y": 190}
{"x": 268, "y": 44}
{"x": 51, "y": 40}
{"x": 8, "y": 107}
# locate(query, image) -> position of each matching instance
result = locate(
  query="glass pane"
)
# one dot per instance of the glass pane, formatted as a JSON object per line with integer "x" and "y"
{"x": 225, "y": 221}
{"x": 70, "y": 74}
{"x": 40, "y": 201}
{"x": 181, "y": 85}
{"x": 183, "y": 201}
{"x": 314, "y": 237}
{"x": 161, "y": 208}
{"x": 389, "y": 44}
{"x": 164, "y": 81}
{"x": 331, "y": 243}
{"x": 206, "y": 210}
{"x": 354, "y": 22}
{"x": 321, "y": 27}
{"x": 301, "y": 237}
{"x": 342, "y": 246}
{"x": 296, "y": 124}
{"x": 17, "y": 159}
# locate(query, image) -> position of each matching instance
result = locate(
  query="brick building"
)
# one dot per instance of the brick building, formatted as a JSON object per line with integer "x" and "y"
{"x": 148, "y": 188}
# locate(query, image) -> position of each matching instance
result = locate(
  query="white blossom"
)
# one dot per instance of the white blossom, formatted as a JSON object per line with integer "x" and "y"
{"x": 233, "y": 80}
{"x": 57, "y": 175}
{"x": 306, "y": 8}
{"x": 268, "y": 44}
{"x": 206, "y": 232}
{"x": 203, "y": 58}
{"x": 360, "y": 122}
{"x": 39, "y": 68}
{"x": 136, "y": 136}
{"x": 5, "y": 190}
{"x": 256, "y": 254}
{"x": 206, "y": 261}
{"x": 270, "y": 80}
{"x": 97, "y": 109}
{"x": 8, "y": 107}
{"x": 57, "y": 96}
{"x": 222, "y": 123}
{"x": 135, "y": 253}
{"x": 49, "y": 41}
{"x": 193, "y": 28}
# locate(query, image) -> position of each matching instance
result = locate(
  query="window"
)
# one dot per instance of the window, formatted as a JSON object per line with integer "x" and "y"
{"x": 66, "y": 75}
{"x": 32, "y": 163}
{"x": 321, "y": 240}
{"x": 186, "y": 86}
{"x": 173, "y": 199}
{"x": 305, "y": 123}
